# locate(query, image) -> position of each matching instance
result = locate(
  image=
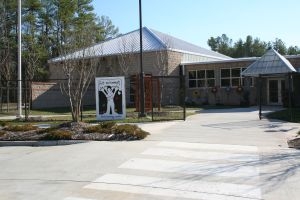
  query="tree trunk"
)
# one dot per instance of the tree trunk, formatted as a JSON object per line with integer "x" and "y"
{"x": 7, "y": 96}
{"x": 1, "y": 100}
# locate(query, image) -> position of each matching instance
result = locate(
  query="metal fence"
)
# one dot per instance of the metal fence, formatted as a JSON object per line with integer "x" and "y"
{"x": 168, "y": 94}
{"x": 164, "y": 95}
{"x": 8, "y": 97}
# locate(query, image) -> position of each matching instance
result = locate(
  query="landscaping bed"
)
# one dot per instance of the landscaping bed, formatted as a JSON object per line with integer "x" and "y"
{"x": 103, "y": 131}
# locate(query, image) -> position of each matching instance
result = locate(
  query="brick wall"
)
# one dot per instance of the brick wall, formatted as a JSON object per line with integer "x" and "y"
{"x": 109, "y": 66}
{"x": 223, "y": 95}
{"x": 47, "y": 95}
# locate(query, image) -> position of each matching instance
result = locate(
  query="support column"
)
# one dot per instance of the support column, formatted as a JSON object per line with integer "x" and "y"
{"x": 142, "y": 84}
{"x": 260, "y": 97}
{"x": 19, "y": 114}
{"x": 290, "y": 96}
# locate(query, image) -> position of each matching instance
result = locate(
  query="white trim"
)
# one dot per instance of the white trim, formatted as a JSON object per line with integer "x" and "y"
{"x": 198, "y": 54}
{"x": 233, "y": 60}
{"x": 205, "y": 78}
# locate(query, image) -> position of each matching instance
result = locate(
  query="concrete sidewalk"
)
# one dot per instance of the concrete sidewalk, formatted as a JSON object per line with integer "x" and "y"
{"x": 279, "y": 166}
{"x": 12, "y": 117}
{"x": 220, "y": 154}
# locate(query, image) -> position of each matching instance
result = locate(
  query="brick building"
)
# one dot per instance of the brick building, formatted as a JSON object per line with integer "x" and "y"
{"x": 221, "y": 82}
{"x": 162, "y": 55}
{"x": 211, "y": 78}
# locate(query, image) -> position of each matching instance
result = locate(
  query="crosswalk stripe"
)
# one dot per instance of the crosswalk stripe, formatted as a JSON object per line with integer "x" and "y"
{"x": 192, "y": 189}
{"x": 206, "y": 146}
{"x": 215, "y": 169}
{"x": 76, "y": 198}
{"x": 205, "y": 155}
{"x": 232, "y": 161}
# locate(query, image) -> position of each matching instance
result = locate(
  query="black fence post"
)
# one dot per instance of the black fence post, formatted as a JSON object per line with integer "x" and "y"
{"x": 26, "y": 99}
{"x": 81, "y": 111}
{"x": 183, "y": 89}
{"x": 260, "y": 97}
{"x": 290, "y": 96}
{"x": 152, "y": 109}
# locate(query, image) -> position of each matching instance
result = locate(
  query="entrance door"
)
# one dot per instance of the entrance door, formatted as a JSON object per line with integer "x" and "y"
{"x": 275, "y": 91}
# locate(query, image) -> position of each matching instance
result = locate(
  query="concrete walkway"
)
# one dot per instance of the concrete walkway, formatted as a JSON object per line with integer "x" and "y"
{"x": 220, "y": 154}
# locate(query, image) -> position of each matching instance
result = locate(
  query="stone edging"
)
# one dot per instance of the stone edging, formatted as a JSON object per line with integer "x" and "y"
{"x": 41, "y": 143}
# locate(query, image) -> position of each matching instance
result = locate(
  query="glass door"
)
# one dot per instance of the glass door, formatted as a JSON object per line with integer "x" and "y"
{"x": 275, "y": 91}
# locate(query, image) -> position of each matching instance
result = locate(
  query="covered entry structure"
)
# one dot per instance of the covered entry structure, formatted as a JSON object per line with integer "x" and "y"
{"x": 275, "y": 79}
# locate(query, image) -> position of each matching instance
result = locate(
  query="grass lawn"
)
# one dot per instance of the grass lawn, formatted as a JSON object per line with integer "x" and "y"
{"x": 61, "y": 115}
{"x": 285, "y": 115}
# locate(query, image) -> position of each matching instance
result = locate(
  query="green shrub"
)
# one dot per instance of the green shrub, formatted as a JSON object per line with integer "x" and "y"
{"x": 92, "y": 129}
{"x": 102, "y": 127}
{"x": 125, "y": 128}
{"x": 2, "y": 133}
{"x": 107, "y": 124}
{"x": 20, "y": 128}
{"x": 97, "y": 129}
{"x": 131, "y": 130}
{"x": 3, "y": 123}
{"x": 58, "y": 135}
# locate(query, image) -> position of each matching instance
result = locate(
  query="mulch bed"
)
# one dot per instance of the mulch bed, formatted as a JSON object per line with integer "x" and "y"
{"x": 71, "y": 131}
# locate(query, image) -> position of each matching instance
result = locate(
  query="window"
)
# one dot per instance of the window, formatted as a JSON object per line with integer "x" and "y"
{"x": 231, "y": 77}
{"x": 201, "y": 78}
{"x": 210, "y": 78}
{"x": 225, "y": 78}
{"x": 235, "y": 77}
{"x": 192, "y": 79}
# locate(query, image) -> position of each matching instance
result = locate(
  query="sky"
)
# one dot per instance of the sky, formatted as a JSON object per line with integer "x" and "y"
{"x": 195, "y": 21}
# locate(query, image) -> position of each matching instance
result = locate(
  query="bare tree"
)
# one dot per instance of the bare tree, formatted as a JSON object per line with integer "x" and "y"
{"x": 79, "y": 69}
{"x": 161, "y": 64}
{"x": 32, "y": 57}
{"x": 127, "y": 58}
{"x": 7, "y": 65}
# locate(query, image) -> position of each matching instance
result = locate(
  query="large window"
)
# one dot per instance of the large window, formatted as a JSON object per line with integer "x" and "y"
{"x": 231, "y": 77}
{"x": 201, "y": 78}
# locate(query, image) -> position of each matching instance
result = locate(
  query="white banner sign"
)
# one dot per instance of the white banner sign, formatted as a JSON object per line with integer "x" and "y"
{"x": 110, "y": 98}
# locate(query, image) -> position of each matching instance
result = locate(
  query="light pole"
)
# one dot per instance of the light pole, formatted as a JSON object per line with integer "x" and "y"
{"x": 142, "y": 84}
{"x": 19, "y": 114}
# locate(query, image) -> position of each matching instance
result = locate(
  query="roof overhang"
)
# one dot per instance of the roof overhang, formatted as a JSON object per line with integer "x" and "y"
{"x": 271, "y": 63}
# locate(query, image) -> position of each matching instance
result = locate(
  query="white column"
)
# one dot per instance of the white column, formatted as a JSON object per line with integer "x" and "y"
{"x": 19, "y": 114}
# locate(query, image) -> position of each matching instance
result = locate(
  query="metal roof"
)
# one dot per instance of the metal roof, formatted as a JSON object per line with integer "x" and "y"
{"x": 270, "y": 63}
{"x": 129, "y": 43}
{"x": 176, "y": 44}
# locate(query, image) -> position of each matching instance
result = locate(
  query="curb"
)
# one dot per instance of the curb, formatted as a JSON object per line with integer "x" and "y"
{"x": 41, "y": 143}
